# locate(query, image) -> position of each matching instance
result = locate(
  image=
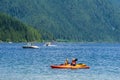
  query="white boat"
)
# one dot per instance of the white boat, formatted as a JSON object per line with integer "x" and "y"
{"x": 49, "y": 44}
{"x": 30, "y": 45}
{"x": 10, "y": 42}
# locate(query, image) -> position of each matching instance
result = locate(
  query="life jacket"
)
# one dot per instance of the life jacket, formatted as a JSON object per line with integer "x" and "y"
{"x": 73, "y": 62}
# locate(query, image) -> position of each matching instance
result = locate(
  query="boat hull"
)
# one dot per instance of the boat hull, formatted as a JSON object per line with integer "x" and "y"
{"x": 34, "y": 47}
{"x": 70, "y": 67}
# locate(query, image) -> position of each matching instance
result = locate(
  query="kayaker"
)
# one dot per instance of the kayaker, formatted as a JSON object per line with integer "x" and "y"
{"x": 66, "y": 62}
{"x": 74, "y": 62}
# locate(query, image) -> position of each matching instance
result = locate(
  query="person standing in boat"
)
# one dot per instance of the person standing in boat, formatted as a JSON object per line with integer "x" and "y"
{"x": 73, "y": 63}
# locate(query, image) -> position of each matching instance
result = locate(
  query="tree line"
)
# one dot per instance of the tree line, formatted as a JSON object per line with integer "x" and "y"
{"x": 11, "y": 29}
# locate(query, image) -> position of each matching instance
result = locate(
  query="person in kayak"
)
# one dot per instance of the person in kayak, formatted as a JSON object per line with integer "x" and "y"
{"x": 66, "y": 62}
{"x": 73, "y": 63}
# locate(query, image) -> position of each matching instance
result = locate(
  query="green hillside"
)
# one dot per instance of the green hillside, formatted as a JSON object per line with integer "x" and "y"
{"x": 13, "y": 30}
{"x": 73, "y": 20}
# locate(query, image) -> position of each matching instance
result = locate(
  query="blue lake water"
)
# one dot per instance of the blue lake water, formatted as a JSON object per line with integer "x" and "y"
{"x": 17, "y": 63}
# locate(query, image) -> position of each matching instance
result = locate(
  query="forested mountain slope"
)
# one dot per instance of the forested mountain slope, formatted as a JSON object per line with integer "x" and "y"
{"x": 13, "y": 30}
{"x": 75, "y": 20}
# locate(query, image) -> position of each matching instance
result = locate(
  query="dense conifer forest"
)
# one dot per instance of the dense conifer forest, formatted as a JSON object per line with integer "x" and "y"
{"x": 68, "y": 20}
{"x": 12, "y": 30}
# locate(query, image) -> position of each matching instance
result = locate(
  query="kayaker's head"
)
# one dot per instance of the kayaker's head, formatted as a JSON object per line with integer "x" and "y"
{"x": 74, "y": 59}
{"x": 67, "y": 59}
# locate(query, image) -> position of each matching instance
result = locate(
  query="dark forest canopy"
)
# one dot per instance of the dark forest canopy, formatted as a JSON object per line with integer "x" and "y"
{"x": 13, "y": 30}
{"x": 68, "y": 20}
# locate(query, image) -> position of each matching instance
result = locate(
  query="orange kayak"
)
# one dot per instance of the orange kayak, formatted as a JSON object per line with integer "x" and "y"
{"x": 77, "y": 66}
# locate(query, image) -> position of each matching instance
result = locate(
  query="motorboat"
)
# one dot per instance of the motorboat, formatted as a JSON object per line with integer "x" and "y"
{"x": 49, "y": 44}
{"x": 30, "y": 45}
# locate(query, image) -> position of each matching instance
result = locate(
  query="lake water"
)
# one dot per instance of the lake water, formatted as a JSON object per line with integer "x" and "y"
{"x": 17, "y": 63}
